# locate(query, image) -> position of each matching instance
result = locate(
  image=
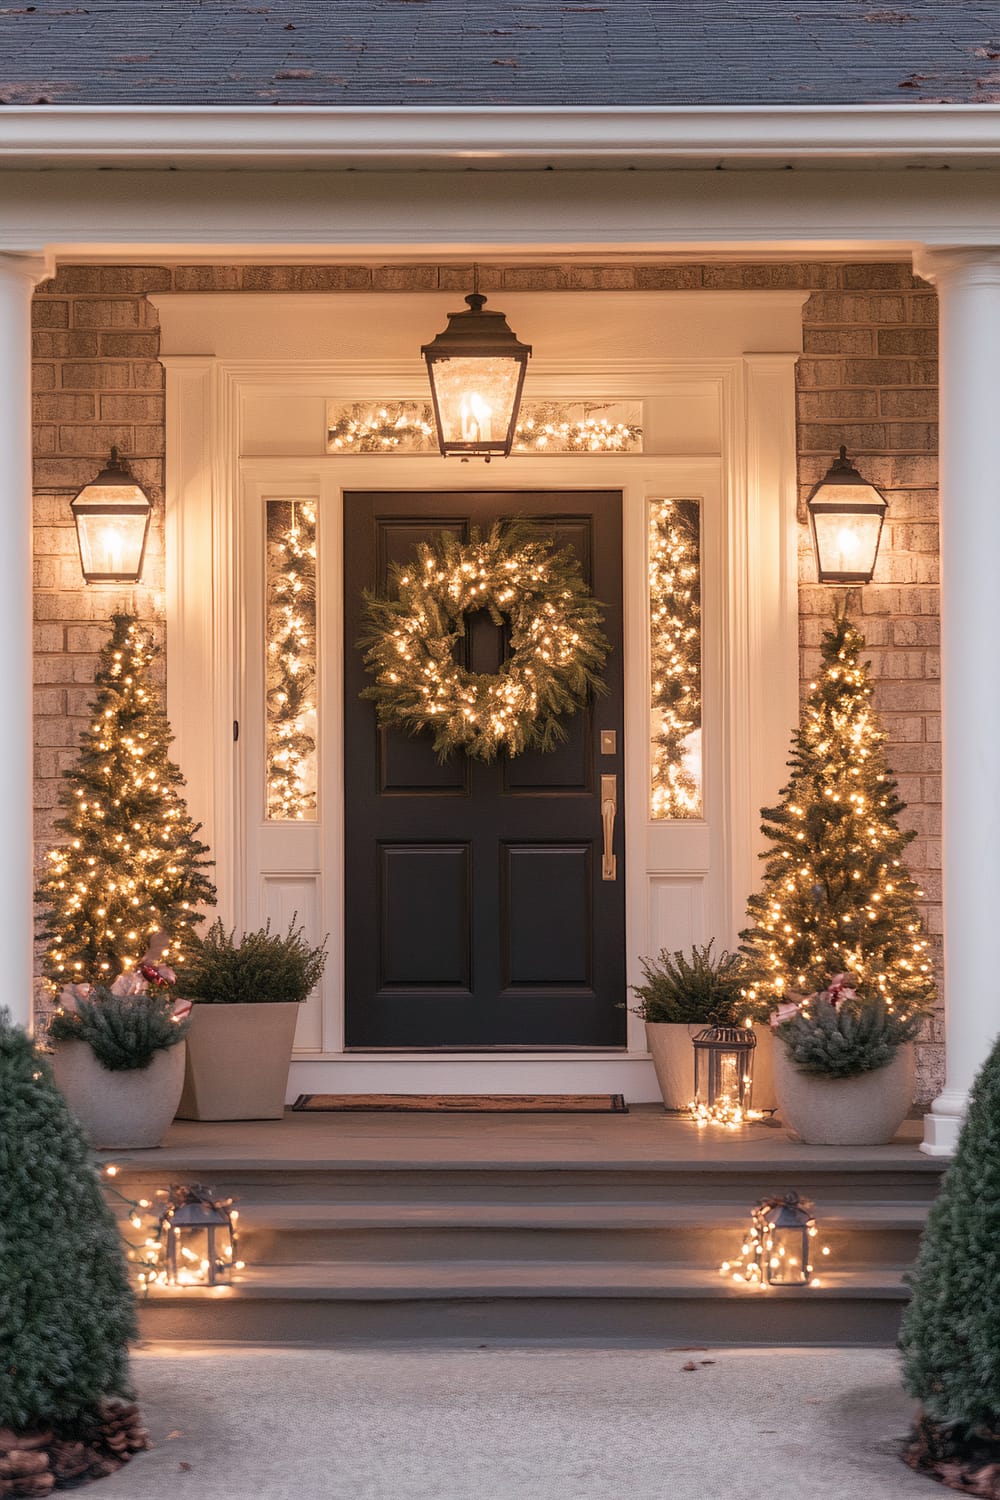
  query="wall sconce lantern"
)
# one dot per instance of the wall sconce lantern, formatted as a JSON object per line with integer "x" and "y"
{"x": 200, "y": 1238}
{"x": 476, "y": 368}
{"x": 723, "y": 1074}
{"x": 846, "y": 515}
{"x": 111, "y": 514}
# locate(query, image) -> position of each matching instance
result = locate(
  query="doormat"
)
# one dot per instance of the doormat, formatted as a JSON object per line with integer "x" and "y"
{"x": 467, "y": 1104}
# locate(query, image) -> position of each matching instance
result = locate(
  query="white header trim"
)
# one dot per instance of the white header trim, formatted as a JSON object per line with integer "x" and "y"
{"x": 496, "y": 136}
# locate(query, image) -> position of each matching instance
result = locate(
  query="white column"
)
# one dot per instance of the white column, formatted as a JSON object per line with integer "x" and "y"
{"x": 968, "y": 284}
{"x": 18, "y": 275}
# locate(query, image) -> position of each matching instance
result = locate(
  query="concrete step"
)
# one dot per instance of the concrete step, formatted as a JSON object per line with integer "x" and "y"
{"x": 327, "y": 1301}
{"x": 738, "y": 1183}
{"x": 686, "y": 1234}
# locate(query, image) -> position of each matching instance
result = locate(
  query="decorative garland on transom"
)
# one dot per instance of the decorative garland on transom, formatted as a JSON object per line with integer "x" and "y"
{"x": 555, "y": 651}
{"x": 544, "y": 427}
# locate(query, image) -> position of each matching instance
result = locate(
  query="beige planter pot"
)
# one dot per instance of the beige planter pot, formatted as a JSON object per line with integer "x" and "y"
{"x": 237, "y": 1061}
{"x": 673, "y": 1058}
{"x": 863, "y": 1111}
{"x": 120, "y": 1110}
{"x": 764, "y": 1096}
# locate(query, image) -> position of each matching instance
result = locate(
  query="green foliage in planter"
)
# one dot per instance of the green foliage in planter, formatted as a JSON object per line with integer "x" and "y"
{"x": 841, "y": 1041}
{"x": 951, "y": 1330}
{"x": 262, "y": 967}
{"x": 66, "y": 1306}
{"x": 125, "y": 1032}
{"x": 695, "y": 991}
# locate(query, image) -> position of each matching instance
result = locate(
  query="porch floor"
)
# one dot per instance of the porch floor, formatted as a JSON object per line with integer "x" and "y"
{"x": 645, "y": 1137}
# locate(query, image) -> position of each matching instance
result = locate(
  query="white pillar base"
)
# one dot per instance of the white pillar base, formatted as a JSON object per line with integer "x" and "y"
{"x": 943, "y": 1125}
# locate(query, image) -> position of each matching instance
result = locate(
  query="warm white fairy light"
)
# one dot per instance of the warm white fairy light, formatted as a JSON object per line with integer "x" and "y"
{"x": 291, "y": 660}
{"x": 675, "y": 658}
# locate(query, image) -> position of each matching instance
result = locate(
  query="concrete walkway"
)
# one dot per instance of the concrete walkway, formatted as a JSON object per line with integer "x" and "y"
{"x": 501, "y": 1423}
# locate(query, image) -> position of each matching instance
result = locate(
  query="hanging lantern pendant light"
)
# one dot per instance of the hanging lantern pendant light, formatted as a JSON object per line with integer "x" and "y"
{"x": 476, "y": 368}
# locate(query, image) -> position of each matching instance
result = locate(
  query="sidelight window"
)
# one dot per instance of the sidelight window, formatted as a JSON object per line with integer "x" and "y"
{"x": 676, "y": 779}
{"x": 290, "y": 665}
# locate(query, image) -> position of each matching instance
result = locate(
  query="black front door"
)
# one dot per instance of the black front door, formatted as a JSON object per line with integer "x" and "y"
{"x": 477, "y": 914}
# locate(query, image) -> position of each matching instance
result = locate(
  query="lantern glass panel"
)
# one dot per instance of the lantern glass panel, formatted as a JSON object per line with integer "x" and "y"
{"x": 112, "y": 536}
{"x": 787, "y": 1256}
{"x": 846, "y": 542}
{"x": 723, "y": 1066}
{"x": 200, "y": 1245}
{"x": 476, "y": 400}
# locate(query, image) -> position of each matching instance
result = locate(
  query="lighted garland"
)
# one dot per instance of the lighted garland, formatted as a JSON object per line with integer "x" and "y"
{"x": 415, "y": 632}
{"x": 675, "y": 655}
{"x": 409, "y": 426}
{"x": 291, "y": 661}
{"x": 545, "y": 427}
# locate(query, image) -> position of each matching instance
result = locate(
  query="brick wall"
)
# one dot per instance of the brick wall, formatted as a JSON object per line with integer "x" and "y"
{"x": 867, "y": 378}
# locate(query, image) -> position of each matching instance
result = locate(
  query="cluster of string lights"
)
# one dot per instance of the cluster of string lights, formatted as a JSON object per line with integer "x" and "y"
{"x": 775, "y": 1252}
{"x": 408, "y": 427}
{"x": 675, "y": 658}
{"x": 145, "y": 1233}
{"x": 291, "y": 660}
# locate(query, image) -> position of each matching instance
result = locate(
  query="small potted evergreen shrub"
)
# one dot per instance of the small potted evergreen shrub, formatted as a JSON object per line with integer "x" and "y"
{"x": 118, "y": 1056}
{"x": 682, "y": 995}
{"x": 245, "y": 1001}
{"x": 67, "y": 1313}
{"x": 844, "y": 1068}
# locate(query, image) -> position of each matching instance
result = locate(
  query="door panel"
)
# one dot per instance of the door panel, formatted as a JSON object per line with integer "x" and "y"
{"x": 476, "y": 912}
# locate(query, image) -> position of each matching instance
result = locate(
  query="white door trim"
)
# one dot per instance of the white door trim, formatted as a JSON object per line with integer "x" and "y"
{"x": 754, "y": 642}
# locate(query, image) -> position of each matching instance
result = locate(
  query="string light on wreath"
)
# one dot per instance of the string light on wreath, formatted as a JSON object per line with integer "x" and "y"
{"x": 417, "y": 630}
{"x": 291, "y": 660}
{"x": 675, "y": 658}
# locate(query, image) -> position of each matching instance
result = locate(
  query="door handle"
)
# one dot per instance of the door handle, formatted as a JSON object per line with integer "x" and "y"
{"x": 609, "y": 806}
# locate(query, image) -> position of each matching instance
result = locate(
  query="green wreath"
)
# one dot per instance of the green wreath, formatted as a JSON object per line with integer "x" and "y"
{"x": 555, "y": 654}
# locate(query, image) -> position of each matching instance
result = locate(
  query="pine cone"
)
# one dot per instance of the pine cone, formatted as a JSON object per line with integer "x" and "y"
{"x": 69, "y": 1460}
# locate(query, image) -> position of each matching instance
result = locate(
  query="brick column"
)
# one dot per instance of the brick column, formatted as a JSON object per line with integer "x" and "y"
{"x": 18, "y": 275}
{"x": 968, "y": 286}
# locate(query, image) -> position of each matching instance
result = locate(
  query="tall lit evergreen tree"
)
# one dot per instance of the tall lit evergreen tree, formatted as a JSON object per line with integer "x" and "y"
{"x": 837, "y": 896}
{"x": 132, "y": 864}
{"x": 66, "y": 1308}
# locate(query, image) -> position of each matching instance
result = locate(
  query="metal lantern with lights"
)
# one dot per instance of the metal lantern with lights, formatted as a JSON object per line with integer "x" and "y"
{"x": 723, "y": 1069}
{"x": 846, "y": 515}
{"x": 112, "y": 522}
{"x": 476, "y": 368}
{"x": 200, "y": 1238}
{"x": 783, "y": 1229}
